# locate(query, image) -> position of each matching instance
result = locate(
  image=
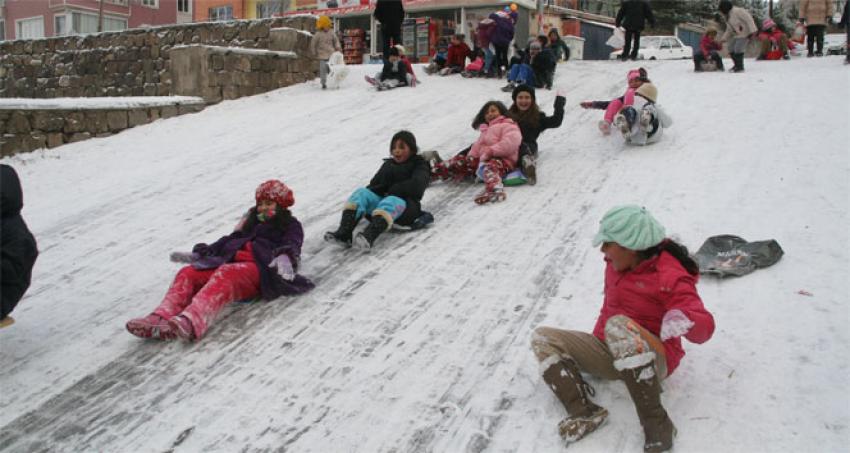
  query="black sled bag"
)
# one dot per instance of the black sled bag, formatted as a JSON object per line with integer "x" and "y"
{"x": 726, "y": 255}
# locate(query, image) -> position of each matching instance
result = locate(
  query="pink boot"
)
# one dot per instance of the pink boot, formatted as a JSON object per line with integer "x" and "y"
{"x": 182, "y": 327}
{"x": 151, "y": 326}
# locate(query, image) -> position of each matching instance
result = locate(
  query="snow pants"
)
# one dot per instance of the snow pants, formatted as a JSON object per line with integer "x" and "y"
{"x": 365, "y": 201}
{"x": 200, "y": 295}
{"x": 613, "y": 108}
{"x": 323, "y": 71}
{"x": 521, "y": 73}
{"x": 592, "y": 355}
{"x": 462, "y": 166}
{"x": 814, "y": 36}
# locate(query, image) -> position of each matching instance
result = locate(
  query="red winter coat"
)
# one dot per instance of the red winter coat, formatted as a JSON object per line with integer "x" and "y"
{"x": 457, "y": 54}
{"x": 501, "y": 138}
{"x": 648, "y": 291}
{"x": 707, "y": 44}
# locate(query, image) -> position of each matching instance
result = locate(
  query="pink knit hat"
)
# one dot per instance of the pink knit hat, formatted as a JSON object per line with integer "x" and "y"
{"x": 633, "y": 74}
{"x": 768, "y": 23}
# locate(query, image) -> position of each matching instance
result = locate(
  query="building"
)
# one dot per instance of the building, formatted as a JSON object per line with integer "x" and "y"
{"x": 31, "y": 19}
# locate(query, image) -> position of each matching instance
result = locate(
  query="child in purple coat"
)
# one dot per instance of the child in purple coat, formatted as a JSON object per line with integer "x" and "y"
{"x": 260, "y": 258}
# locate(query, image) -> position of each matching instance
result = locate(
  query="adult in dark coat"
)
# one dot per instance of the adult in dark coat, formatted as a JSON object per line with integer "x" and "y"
{"x": 390, "y": 13}
{"x": 19, "y": 249}
{"x": 501, "y": 37}
{"x": 633, "y": 16}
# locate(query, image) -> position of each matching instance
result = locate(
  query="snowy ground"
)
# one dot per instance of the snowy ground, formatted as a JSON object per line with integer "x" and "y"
{"x": 422, "y": 345}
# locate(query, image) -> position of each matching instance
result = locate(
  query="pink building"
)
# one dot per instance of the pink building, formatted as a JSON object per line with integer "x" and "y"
{"x": 30, "y": 19}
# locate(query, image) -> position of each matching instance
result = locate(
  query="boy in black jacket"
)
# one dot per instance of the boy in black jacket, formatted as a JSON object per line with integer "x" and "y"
{"x": 393, "y": 195}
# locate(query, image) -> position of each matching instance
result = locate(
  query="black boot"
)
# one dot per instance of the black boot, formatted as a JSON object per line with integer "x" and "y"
{"x": 738, "y": 58}
{"x": 645, "y": 389}
{"x": 346, "y": 227}
{"x": 366, "y": 238}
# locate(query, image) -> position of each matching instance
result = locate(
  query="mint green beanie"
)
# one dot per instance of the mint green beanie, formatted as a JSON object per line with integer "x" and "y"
{"x": 630, "y": 226}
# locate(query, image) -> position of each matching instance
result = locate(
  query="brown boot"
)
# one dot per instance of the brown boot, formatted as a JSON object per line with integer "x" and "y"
{"x": 564, "y": 378}
{"x": 645, "y": 389}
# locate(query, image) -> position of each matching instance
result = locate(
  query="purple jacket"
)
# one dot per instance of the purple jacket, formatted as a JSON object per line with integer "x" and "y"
{"x": 503, "y": 32}
{"x": 267, "y": 242}
{"x": 485, "y": 29}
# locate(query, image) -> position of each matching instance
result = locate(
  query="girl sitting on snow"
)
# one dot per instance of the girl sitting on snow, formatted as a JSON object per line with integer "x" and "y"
{"x": 260, "y": 258}
{"x": 643, "y": 122}
{"x": 532, "y": 122}
{"x": 491, "y": 157}
{"x": 393, "y": 195}
{"x": 650, "y": 302}
{"x": 635, "y": 78}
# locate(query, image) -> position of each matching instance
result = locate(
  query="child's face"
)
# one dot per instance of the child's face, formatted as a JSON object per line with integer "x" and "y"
{"x": 400, "y": 152}
{"x": 492, "y": 113}
{"x": 266, "y": 209}
{"x": 455, "y": 41}
{"x": 393, "y": 58}
{"x": 524, "y": 101}
{"x": 635, "y": 83}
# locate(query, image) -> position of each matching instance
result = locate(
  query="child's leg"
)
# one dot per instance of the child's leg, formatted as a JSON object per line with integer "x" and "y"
{"x": 514, "y": 73}
{"x": 613, "y": 107}
{"x": 390, "y": 208}
{"x": 362, "y": 201}
{"x": 323, "y": 71}
{"x": 457, "y": 167}
{"x": 488, "y": 59}
{"x": 229, "y": 283}
{"x": 494, "y": 170}
{"x": 186, "y": 283}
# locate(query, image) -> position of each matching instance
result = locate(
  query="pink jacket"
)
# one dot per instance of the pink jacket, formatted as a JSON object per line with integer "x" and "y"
{"x": 500, "y": 138}
{"x": 645, "y": 293}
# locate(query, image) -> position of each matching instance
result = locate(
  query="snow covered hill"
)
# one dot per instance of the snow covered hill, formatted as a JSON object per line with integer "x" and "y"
{"x": 423, "y": 345}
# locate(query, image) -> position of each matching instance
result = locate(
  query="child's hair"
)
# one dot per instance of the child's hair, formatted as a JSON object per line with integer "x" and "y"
{"x": 479, "y": 119}
{"x": 393, "y": 52}
{"x": 543, "y": 39}
{"x": 280, "y": 220}
{"x": 678, "y": 251}
{"x": 459, "y": 36}
{"x": 408, "y": 138}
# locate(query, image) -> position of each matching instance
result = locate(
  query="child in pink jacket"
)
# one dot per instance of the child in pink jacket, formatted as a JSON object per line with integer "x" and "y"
{"x": 491, "y": 157}
{"x": 650, "y": 303}
{"x": 635, "y": 78}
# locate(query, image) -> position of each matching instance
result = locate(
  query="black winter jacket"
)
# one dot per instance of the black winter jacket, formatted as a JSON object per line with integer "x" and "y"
{"x": 390, "y": 13}
{"x": 18, "y": 249}
{"x": 633, "y": 15}
{"x": 407, "y": 181}
{"x": 394, "y": 71}
{"x": 531, "y": 133}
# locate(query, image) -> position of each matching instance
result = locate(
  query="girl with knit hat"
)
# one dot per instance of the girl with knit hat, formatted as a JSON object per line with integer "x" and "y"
{"x": 393, "y": 196}
{"x": 650, "y": 303}
{"x": 532, "y": 122}
{"x": 259, "y": 259}
{"x": 643, "y": 122}
{"x": 635, "y": 78}
{"x": 774, "y": 42}
{"x": 324, "y": 43}
{"x": 491, "y": 157}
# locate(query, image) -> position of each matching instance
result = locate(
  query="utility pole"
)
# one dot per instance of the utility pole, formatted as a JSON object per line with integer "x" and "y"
{"x": 770, "y": 8}
{"x": 100, "y": 17}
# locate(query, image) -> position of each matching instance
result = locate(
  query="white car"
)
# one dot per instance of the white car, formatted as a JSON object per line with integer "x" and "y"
{"x": 660, "y": 48}
{"x": 835, "y": 44}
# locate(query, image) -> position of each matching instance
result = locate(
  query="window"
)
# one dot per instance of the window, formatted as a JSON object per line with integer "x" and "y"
{"x": 30, "y": 28}
{"x": 118, "y": 2}
{"x": 60, "y": 25}
{"x": 2, "y": 29}
{"x": 220, "y": 13}
{"x": 82, "y": 23}
{"x": 183, "y": 6}
{"x": 150, "y": 3}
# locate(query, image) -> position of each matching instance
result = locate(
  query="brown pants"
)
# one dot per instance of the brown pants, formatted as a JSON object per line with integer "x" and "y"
{"x": 592, "y": 355}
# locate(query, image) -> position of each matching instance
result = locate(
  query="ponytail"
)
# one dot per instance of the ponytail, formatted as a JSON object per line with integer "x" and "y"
{"x": 676, "y": 250}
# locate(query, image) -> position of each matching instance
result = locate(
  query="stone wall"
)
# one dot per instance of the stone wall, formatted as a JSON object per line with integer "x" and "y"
{"x": 129, "y": 63}
{"x": 33, "y": 127}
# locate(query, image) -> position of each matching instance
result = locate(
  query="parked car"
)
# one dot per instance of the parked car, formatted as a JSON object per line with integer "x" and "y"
{"x": 660, "y": 48}
{"x": 835, "y": 44}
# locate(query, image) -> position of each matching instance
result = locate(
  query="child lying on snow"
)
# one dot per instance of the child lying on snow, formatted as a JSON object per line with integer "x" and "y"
{"x": 635, "y": 78}
{"x": 260, "y": 258}
{"x": 643, "y": 122}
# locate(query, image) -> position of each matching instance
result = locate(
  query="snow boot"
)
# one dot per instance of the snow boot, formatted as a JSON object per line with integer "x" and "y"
{"x": 564, "y": 378}
{"x": 6, "y": 322}
{"x": 182, "y": 328}
{"x": 645, "y": 390}
{"x": 342, "y": 235}
{"x": 604, "y": 127}
{"x": 529, "y": 168}
{"x": 621, "y": 123}
{"x": 366, "y": 238}
{"x": 490, "y": 196}
{"x": 151, "y": 326}
{"x": 738, "y": 59}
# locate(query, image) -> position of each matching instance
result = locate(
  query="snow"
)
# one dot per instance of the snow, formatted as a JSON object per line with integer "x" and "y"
{"x": 423, "y": 344}
{"x": 98, "y": 103}
{"x": 241, "y": 50}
